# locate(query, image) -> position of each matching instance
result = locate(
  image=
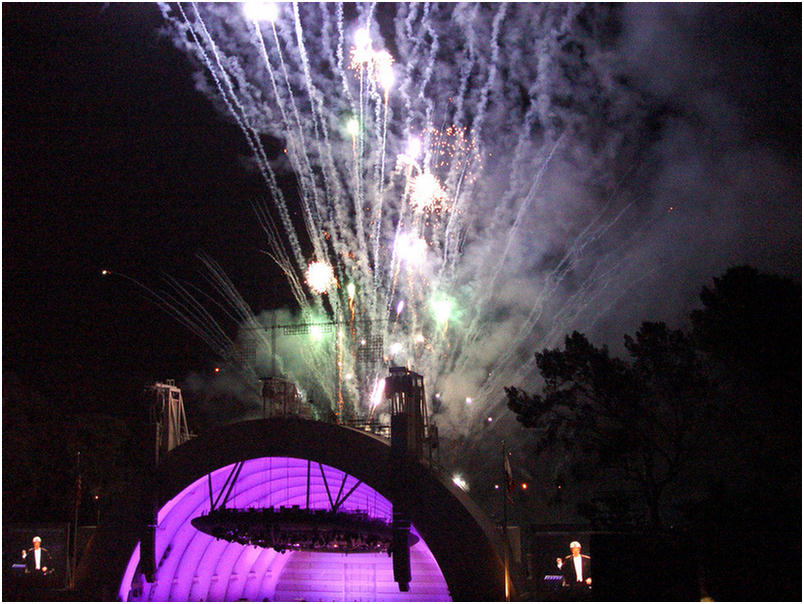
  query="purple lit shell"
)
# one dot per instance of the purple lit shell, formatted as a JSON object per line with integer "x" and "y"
{"x": 193, "y": 566}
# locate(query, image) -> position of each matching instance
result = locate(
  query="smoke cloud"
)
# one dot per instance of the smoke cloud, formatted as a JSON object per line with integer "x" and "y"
{"x": 601, "y": 164}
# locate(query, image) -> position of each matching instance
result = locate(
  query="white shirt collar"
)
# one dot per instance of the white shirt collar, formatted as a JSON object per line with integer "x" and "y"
{"x": 577, "y": 560}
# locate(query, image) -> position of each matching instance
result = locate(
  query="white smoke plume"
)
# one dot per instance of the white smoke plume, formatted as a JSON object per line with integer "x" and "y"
{"x": 593, "y": 170}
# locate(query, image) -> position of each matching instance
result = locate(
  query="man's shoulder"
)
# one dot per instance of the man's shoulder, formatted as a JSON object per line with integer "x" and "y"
{"x": 585, "y": 556}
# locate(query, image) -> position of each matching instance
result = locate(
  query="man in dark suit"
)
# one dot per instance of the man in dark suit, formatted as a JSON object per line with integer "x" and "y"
{"x": 577, "y": 570}
{"x": 37, "y": 559}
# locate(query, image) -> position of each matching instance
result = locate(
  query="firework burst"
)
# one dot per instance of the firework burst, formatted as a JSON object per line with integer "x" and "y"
{"x": 432, "y": 168}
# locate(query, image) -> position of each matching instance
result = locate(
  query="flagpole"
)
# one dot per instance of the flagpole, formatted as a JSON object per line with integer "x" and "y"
{"x": 76, "y": 503}
{"x": 505, "y": 522}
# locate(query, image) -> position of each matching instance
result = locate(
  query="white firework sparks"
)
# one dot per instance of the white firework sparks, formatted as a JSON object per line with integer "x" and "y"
{"x": 459, "y": 170}
{"x": 320, "y": 277}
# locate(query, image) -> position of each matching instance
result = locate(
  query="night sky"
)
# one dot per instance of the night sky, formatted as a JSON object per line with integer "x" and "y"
{"x": 112, "y": 160}
{"x": 677, "y": 137}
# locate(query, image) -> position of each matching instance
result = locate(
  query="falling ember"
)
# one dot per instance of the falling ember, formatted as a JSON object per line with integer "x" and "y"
{"x": 320, "y": 277}
{"x": 378, "y": 393}
{"x": 460, "y": 482}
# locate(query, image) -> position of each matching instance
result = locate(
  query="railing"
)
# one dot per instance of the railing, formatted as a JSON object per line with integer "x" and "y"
{"x": 372, "y": 426}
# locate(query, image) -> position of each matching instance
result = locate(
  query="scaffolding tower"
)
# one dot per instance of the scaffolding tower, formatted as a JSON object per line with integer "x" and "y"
{"x": 167, "y": 418}
{"x": 404, "y": 390}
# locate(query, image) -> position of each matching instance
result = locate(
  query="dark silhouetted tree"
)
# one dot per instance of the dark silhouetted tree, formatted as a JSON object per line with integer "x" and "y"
{"x": 751, "y": 323}
{"x": 641, "y": 420}
{"x": 750, "y": 329}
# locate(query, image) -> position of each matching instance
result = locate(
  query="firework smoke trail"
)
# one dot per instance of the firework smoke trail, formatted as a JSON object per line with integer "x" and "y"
{"x": 519, "y": 159}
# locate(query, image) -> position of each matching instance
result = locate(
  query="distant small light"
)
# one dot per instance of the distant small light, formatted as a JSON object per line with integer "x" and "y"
{"x": 420, "y": 338}
{"x": 438, "y": 395}
{"x": 353, "y": 127}
{"x": 559, "y": 487}
{"x": 217, "y": 369}
{"x": 96, "y": 497}
{"x": 524, "y": 486}
{"x": 496, "y": 487}
{"x": 468, "y": 400}
{"x": 104, "y": 272}
{"x": 489, "y": 419}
